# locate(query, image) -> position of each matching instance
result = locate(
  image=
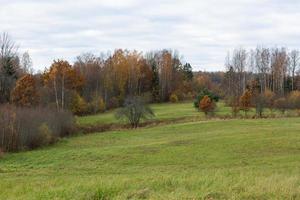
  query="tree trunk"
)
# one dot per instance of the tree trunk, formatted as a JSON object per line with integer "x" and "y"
{"x": 56, "y": 96}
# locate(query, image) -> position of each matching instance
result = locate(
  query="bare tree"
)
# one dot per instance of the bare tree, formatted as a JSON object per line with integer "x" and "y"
{"x": 238, "y": 64}
{"x": 262, "y": 65}
{"x": 279, "y": 65}
{"x": 9, "y": 66}
{"x": 294, "y": 64}
{"x": 26, "y": 63}
{"x": 134, "y": 110}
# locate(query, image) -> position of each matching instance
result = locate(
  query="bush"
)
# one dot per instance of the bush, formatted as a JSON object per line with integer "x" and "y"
{"x": 97, "y": 105}
{"x": 78, "y": 105}
{"x": 207, "y": 105}
{"x": 260, "y": 102}
{"x": 245, "y": 101}
{"x": 173, "y": 98}
{"x": 43, "y": 137}
{"x": 27, "y": 128}
{"x": 269, "y": 99}
{"x": 233, "y": 102}
{"x": 203, "y": 93}
{"x": 134, "y": 111}
{"x": 294, "y": 100}
{"x": 281, "y": 104}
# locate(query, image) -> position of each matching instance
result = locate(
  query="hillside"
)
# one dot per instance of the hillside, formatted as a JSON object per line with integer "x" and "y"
{"x": 222, "y": 159}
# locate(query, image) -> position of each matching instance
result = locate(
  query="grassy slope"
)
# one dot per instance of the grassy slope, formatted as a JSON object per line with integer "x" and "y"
{"x": 236, "y": 159}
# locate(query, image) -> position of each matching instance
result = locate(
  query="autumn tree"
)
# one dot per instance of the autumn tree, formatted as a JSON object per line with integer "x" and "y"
{"x": 165, "y": 75}
{"x": 90, "y": 67}
{"x": 202, "y": 94}
{"x": 25, "y": 92}
{"x": 62, "y": 79}
{"x": 207, "y": 105}
{"x": 245, "y": 101}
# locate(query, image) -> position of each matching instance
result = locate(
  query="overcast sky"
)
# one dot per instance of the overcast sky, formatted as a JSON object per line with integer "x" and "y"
{"x": 203, "y": 31}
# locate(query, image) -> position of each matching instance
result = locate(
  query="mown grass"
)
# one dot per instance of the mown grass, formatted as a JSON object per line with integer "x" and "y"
{"x": 221, "y": 159}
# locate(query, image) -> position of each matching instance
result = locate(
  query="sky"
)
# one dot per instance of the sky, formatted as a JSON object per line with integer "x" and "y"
{"x": 203, "y": 31}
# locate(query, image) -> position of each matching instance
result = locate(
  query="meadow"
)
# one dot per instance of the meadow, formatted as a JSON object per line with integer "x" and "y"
{"x": 175, "y": 111}
{"x": 213, "y": 159}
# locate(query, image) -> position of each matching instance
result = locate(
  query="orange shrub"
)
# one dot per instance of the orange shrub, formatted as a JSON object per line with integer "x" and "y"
{"x": 207, "y": 105}
{"x": 245, "y": 101}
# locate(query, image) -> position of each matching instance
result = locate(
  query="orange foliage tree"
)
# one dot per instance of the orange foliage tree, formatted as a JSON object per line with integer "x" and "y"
{"x": 245, "y": 101}
{"x": 207, "y": 105}
{"x": 61, "y": 77}
{"x": 25, "y": 92}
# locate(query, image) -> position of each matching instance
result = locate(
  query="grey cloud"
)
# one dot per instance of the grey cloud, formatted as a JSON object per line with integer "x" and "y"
{"x": 203, "y": 31}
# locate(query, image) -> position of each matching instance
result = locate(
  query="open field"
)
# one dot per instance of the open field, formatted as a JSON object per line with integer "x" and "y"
{"x": 231, "y": 159}
{"x": 162, "y": 111}
{"x": 171, "y": 111}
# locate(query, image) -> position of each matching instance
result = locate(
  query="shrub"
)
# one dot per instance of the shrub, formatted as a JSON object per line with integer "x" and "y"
{"x": 233, "y": 102}
{"x": 294, "y": 100}
{"x": 173, "y": 98}
{"x": 207, "y": 105}
{"x": 26, "y": 128}
{"x": 203, "y": 93}
{"x": 281, "y": 104}
{"x": 78, "y": 105}
{"x": 97, "y": 105}
{"x": 43, "y": 137}
{"x": 269, "y": 99}
{"x": 134, "y": 110}
{"x": 245, "y": 101}
{"x": 259, "y": 101}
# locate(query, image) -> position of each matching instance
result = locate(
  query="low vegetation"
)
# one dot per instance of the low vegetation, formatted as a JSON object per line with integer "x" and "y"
{"x": 231, "y": 159}
{"x": 27, "y": 128}
{"x": 134, "y": 110}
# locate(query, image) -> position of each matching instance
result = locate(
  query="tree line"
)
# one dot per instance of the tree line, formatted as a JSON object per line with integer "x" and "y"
{"x": 257, "y": 78}
{"x": 93, "y": 83}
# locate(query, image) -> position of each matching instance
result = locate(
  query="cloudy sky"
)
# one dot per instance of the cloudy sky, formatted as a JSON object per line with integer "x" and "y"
{"x": 203, "y": 31}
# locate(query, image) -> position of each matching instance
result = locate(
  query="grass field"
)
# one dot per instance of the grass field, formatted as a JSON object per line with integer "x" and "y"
{"x": 229, "y": 159}
{"x": 162, "y": 111}
{"x": 170, "y": 111}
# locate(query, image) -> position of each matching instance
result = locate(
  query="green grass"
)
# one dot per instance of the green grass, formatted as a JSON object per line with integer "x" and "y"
{"x": 162, "y": 111}
{"x": 221, "y": 159}
{"x": 169, "y": 111}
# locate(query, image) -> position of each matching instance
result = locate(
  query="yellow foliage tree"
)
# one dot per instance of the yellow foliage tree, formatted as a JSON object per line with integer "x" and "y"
{"x": 245, "y": 101}
{"x": 25, "y": 92}
{"x": 61, "y": 77}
